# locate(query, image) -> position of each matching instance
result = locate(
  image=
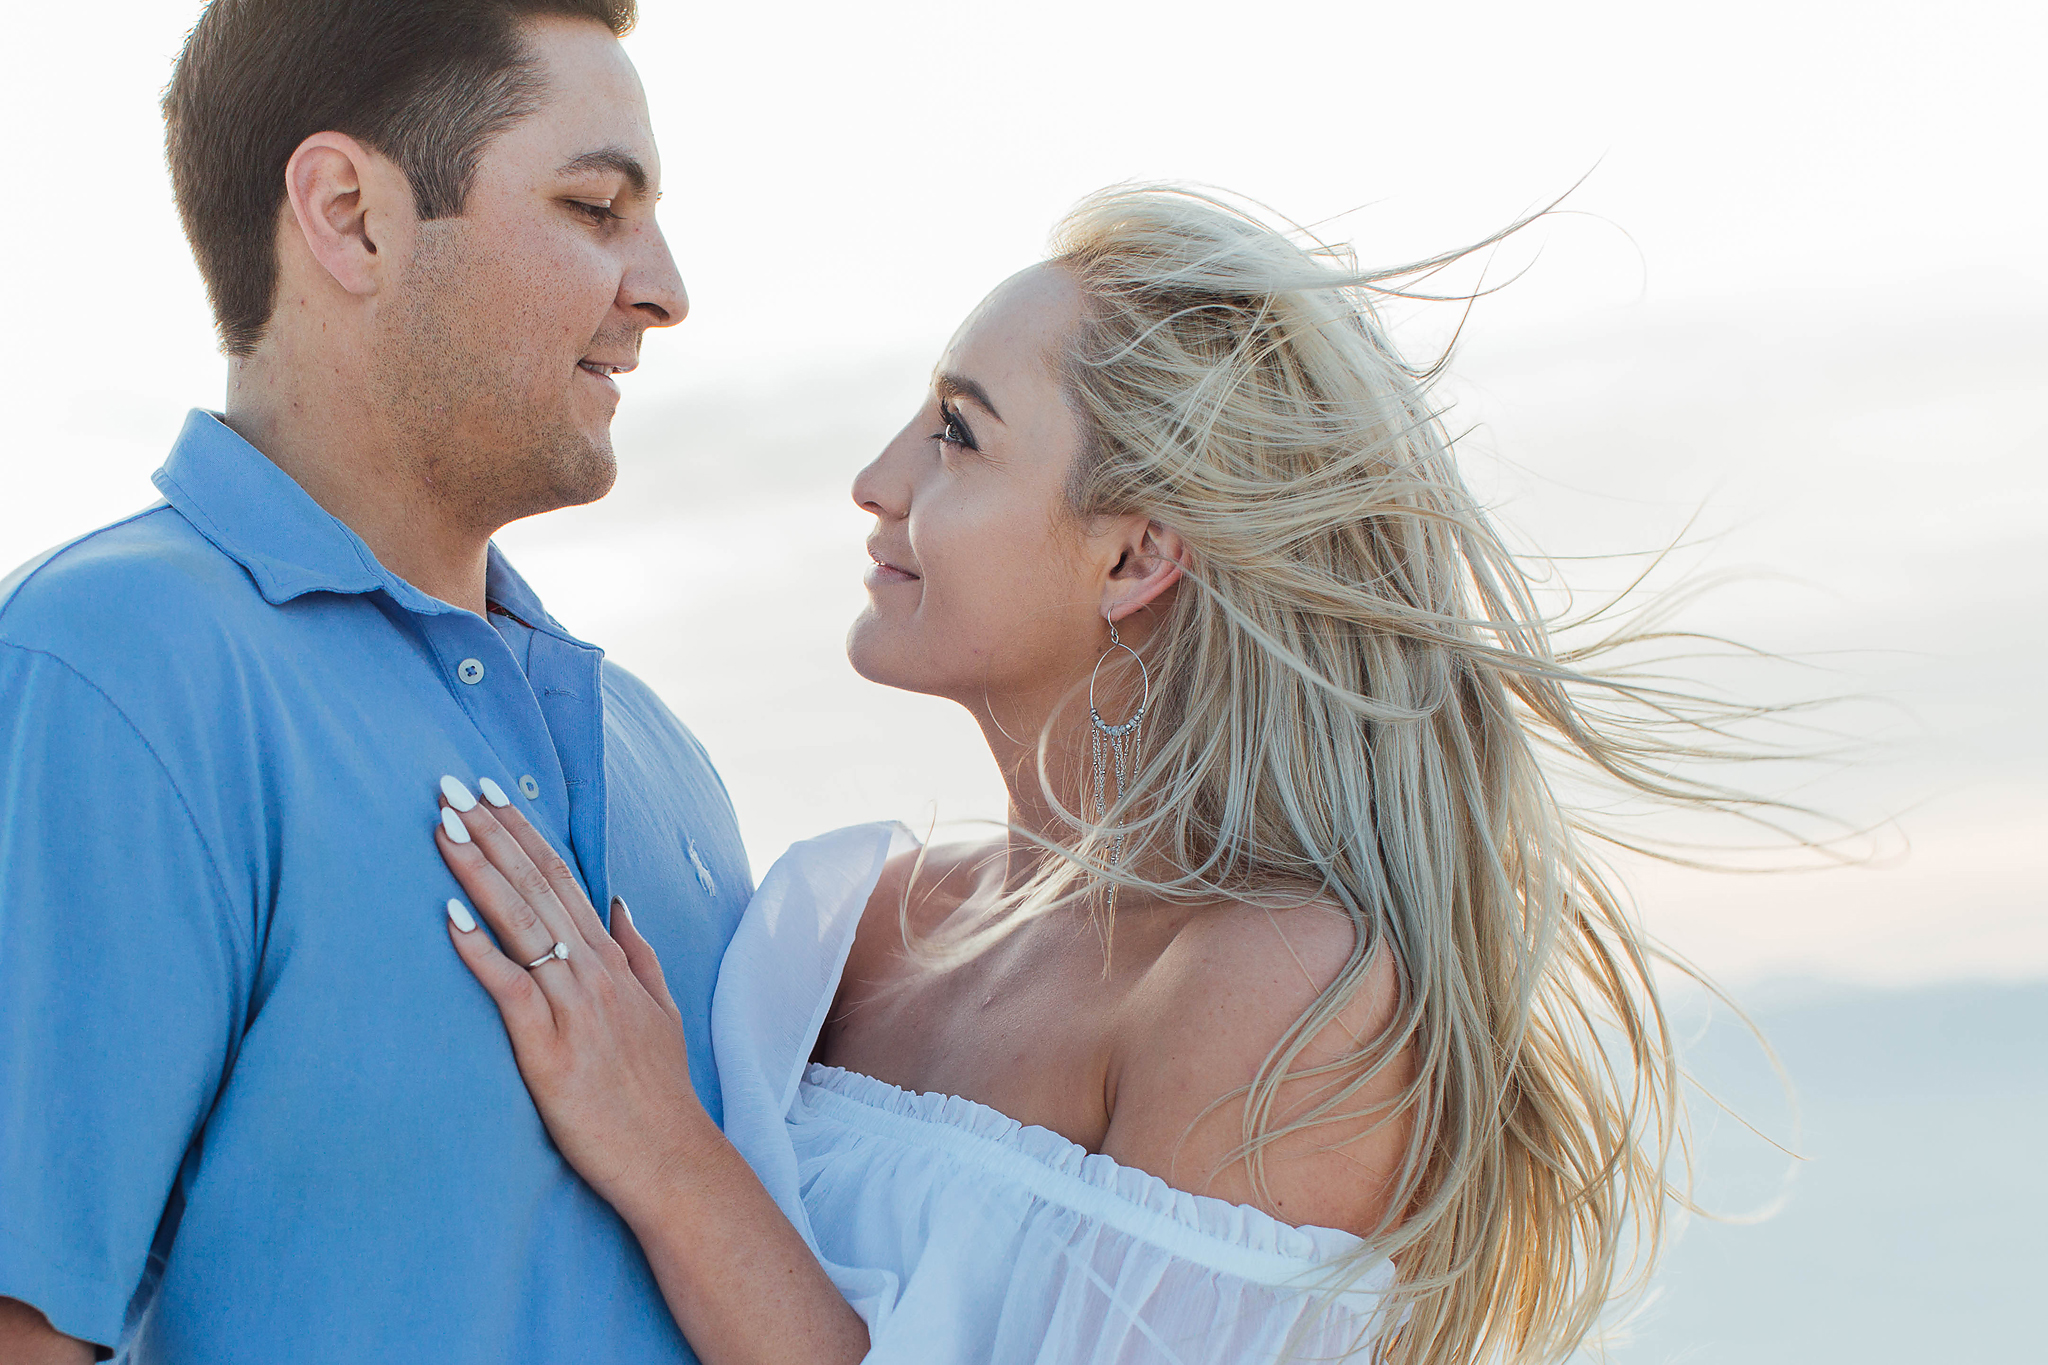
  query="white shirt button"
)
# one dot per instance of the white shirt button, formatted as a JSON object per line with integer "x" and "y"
{"x": 529, "y": 788}
{"x": 470, "y": 671}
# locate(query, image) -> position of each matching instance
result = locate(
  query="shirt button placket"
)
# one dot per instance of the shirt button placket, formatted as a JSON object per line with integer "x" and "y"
{"x": 471, "y": 671}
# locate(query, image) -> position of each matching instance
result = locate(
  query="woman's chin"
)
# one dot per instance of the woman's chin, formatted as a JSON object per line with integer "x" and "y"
{"x": 879, "y": 654}
{"x": 867, "y": 649}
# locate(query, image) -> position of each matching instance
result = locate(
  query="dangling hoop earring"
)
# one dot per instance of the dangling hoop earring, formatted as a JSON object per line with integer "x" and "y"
{"x": 1113, "y": 746}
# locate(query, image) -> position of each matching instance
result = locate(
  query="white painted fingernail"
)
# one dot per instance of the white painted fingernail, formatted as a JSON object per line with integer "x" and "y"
{"x": 457, "y": 794}
{"x": 452, "y": 823}
{"x": 493, "y": 793}
{"x": 459, "y": 913}
{"x": 619, "y": 908}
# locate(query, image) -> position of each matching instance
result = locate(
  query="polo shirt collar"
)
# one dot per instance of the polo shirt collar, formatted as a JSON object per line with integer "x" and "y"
{"x": 503, "y": 587}
{"x": 259, "y": 516}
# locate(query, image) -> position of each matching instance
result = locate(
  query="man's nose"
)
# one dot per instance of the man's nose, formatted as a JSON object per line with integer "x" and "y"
{"x": 653, "y": 288}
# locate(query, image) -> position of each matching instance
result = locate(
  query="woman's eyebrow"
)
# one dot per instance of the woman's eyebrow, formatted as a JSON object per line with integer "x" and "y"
{"x": 960, "y": 386}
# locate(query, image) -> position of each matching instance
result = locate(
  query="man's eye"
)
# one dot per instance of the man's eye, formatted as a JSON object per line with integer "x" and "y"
{"x": 598, "y": 213}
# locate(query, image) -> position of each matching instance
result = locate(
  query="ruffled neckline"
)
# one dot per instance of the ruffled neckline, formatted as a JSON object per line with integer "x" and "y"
{"x": 1203, "y": 1227}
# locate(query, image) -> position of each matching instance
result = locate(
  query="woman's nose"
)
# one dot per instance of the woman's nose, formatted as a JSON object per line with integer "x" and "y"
{"x": 882, "y": 488}
{"x": 866, "y": 490}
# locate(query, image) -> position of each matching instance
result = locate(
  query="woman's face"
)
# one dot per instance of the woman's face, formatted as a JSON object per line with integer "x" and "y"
{"x": 983, "y": 587}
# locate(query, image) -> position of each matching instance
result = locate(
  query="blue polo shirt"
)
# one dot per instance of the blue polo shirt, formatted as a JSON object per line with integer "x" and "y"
{"x": 252, "y": 1106}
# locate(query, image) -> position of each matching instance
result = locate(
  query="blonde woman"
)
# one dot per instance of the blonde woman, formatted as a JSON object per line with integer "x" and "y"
{"x": 1287, "y": 1019}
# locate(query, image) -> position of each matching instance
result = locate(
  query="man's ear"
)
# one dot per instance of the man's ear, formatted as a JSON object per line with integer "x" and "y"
{"x": 352, "y": 208}
{"x": 1149, "y": 567}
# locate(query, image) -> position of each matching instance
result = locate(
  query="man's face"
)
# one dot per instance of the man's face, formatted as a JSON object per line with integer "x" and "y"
{"x": 494, "y": 350}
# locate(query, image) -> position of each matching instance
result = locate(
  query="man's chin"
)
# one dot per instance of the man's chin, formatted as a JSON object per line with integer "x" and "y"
{"x": 588, "y": 474}
{"x": 570, "y": 471}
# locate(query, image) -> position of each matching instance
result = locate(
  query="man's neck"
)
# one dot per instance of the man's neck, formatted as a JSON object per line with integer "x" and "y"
{"x": 355, "y": 468}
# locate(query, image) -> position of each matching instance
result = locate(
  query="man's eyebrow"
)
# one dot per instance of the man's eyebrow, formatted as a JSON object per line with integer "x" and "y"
{"x": 960, "y": 386}
{"x": 617, "y": 160}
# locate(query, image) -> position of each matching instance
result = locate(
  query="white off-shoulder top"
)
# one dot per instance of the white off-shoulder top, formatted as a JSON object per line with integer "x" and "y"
{"x": 961, "y": 1235}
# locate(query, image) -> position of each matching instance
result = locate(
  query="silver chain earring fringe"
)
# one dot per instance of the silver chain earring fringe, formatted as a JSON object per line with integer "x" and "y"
{"x": 1115, "y": 746}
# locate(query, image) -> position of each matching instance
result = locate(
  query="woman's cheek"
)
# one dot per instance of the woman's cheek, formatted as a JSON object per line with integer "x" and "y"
{"x": 977, "y": 594}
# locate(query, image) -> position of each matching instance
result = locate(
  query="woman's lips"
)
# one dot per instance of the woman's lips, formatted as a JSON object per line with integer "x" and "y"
{"x": 880, "y": 575}
{"x": 882, "y": 572}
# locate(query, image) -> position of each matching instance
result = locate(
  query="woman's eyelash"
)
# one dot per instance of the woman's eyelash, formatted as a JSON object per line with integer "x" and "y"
{"x": 955, "y": 432}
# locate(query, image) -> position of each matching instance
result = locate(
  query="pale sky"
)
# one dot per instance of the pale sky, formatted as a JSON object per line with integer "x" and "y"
{"x": 1802, "y": 287}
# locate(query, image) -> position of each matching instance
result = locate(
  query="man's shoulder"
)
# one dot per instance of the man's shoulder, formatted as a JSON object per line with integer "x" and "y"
{"x": 662, "y": 783}
{"x": 645, "y": 742}
{"x": 636, "y": 714}
{"x": 148, "y": 576}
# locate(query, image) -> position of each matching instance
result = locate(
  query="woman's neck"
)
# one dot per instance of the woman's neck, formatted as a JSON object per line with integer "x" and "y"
{"x": 1042, "y": 749}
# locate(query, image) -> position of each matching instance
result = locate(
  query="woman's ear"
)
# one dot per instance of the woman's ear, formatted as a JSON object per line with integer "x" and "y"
{"x": 348, "y": 206}
{"x": 1149, "y": 567}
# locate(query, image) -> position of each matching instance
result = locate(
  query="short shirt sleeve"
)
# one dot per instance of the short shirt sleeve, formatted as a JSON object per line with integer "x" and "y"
{"x": 119, "y": 996}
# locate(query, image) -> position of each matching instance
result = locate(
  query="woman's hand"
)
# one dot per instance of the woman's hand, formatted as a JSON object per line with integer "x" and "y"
{"x": 600, "y": 1043}
{"x": 597, "y": 1036}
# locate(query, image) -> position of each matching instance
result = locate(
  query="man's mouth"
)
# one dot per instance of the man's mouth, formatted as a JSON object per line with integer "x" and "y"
{"x": 602, "y": 369}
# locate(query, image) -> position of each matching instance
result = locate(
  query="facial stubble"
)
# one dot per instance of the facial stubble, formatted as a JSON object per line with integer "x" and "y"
{"x": 482, "y": 425}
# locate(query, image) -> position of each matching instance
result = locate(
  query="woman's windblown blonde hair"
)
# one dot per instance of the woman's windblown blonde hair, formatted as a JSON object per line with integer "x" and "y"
{"x": 1355, "y": 690}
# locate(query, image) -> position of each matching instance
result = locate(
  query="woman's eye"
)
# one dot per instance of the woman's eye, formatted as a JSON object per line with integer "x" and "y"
{"x": 953, "y": 432}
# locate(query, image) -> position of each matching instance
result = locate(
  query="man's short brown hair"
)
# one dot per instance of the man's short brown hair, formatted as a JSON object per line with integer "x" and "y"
{"x": 428, "y": 83}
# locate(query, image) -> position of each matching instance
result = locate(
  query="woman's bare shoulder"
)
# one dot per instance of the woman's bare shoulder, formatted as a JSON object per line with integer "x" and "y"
{"x": 1239, "y": 974}
{"x": 1233, "y": 985}
{"x": 1302, "y": 939}
{"x": 922, "y": 886}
